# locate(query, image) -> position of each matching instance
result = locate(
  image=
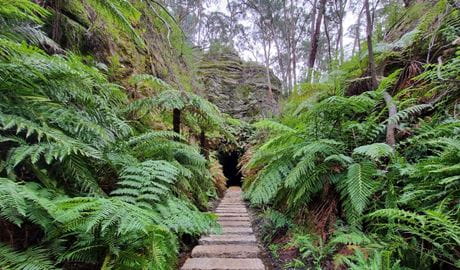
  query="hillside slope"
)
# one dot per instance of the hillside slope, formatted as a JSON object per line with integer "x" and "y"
{"x": 334, "y": 192}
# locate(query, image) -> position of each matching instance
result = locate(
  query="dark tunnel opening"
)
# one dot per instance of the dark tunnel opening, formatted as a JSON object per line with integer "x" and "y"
{"x": 229, "y": 161}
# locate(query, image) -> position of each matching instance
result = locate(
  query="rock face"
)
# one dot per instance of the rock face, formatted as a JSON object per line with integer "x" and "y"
{"x": 239, "y": 88}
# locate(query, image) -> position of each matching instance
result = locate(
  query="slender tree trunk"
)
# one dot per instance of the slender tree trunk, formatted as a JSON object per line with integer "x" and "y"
{"x": 370, "y": 50}
{"x": 315, "y": 38}
{"x": 392, "y": 110}
{"x": 326, "y": 31}
{"x": 176, "y": 120}
{"x": 287, "y": 31}
{"x": 294, "y": 64}
{"x": 292, "y": 42}
{"x": 281, "y": 64}
{"x": 341, "y": 52}
{"x": 313, "y": 18}
{"x": 271, "y": 97}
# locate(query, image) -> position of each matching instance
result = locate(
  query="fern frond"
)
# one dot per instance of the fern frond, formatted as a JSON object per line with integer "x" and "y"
{"x": 33, "y": 258}
{"x": 359, "y": 184}
{"x": 375, "y": 151}
{"x": 272, "y": 126}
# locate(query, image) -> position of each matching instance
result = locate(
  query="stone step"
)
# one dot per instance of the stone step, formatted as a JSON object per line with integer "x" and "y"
{"x": 232, "y": 201}
{"x": 232, "y": 214}
{"x": 226, "y": 251}
{"x": 230, "y": 209}
{"x": 237, "y": 230}
{"x": 223, "y": 264}
{"x": 235, "y": 223}
{"x": 231, "y": 205}
{"x": 233, "y": 218}
{"x": 236, "y": 248}
{"x": 228, "y": 239}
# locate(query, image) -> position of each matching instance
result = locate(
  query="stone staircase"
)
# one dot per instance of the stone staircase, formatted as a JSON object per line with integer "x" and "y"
{"x": 236, "y": 248}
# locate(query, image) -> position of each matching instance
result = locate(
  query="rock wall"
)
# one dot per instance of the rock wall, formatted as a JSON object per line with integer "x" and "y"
{"x": 237, "y": 87}
{"x": 166, "y": 54}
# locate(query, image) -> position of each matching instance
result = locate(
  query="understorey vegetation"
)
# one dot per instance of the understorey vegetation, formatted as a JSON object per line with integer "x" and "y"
{"x": 109, "y": 151}
{"x": 91, "y": 178}
{"x": 343, "y": 182}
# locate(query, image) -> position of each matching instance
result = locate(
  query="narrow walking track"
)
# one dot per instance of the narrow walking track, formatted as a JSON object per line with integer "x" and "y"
{"x": 234, "y": 249}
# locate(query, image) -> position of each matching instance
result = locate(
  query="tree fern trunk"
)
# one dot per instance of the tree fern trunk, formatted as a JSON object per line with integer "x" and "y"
{"x": 204, "y": 145}
{"x": 176, "y": 120}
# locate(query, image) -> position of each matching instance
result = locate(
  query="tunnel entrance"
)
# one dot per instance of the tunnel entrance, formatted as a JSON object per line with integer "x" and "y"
{"x": 229, "y": 161}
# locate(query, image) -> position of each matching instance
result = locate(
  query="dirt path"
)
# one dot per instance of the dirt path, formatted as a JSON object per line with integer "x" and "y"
{"x": 236, "y": 248}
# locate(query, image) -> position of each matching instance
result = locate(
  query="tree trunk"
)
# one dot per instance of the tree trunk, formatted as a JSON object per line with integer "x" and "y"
{"x": 392, "y": 110}
{"x": 176, "y": 120}
{"x": 267, "y": 48}
{"x": 315, "y": 39}
{"x": 326, "y": 31}
{"x": 369, "y": 27}
{"x": 204, "y": 144}
{"x": 341, "y": 52}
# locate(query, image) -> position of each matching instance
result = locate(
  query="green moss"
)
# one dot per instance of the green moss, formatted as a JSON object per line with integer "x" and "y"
{"x": 243, "y": 91}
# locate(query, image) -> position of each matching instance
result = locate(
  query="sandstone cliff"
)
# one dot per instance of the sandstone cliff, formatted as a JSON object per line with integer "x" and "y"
{"x": 237, "y": 87}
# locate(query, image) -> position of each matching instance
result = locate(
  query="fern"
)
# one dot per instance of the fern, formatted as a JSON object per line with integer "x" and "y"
{"x": 32, "y": 258}
{"x": 183, "y": 217}
{"x": 359, "y": 184}
{"x": 374, "y": 151}
{"x": 272, "y": 126}
{"x": 121, "y": 12}
{"x": 406, "y": 113}
{"x": 146, "y": 182}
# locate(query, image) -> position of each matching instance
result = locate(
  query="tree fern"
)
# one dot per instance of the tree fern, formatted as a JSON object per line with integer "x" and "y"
{"x": 146, "y": 183}
{"x": 182, "y": 217}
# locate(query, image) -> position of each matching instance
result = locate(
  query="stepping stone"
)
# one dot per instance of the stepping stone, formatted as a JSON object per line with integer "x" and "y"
{"x": 226, "y": 251}
{"x": 235, "y": 223}
{"x": 228, "y": 239}
{"x": 223, "y": 264}
{"x": 237, "y": 230}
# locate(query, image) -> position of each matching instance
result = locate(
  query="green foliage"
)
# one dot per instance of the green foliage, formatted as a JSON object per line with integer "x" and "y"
{"x": 329, "y": 150}
{"x": 95, "y": 187}
{"x": 375, "y": 151}
{"x": 315, "y": 249}
{"x": 32, "y": 258}
{"x": 359, "y": 185}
